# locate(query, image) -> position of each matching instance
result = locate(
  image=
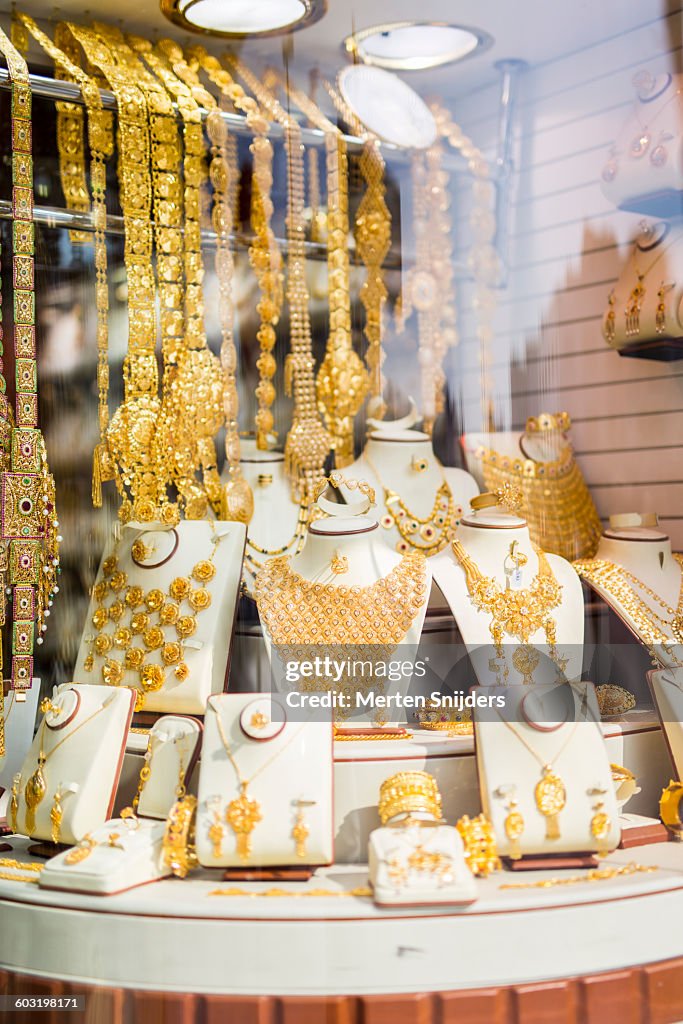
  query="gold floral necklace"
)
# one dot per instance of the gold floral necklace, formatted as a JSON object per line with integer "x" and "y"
{"x": 428, "y": 535}
{"x": 141, "y": 617}
{"x": 620, "y": 584}
{"x": 296, "y": 610}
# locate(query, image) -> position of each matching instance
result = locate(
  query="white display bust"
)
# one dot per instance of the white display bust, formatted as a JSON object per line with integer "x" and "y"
{"x": 487, "y": 536}
{"x": 389, "y": 460}
{"x": 644, "y": 552}
{"x": 274, "y": 522}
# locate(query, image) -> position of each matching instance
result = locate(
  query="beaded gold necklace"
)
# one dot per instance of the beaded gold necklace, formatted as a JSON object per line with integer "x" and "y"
{"x": 620, "y": 584}
{"x": 139, "y": 621}
{"x": 298, "y": 611}
{"x": 430, "y": 534}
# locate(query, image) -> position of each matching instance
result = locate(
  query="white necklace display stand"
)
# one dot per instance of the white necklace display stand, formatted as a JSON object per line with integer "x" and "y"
{"x": 85, "y": 767}
{"x": 394, "y": 454}
{"x": 487, "y": 536}
{"x": 356, "y": 538}
{"x": 645, "y": 552}
{"x": 667, "y": 690}
{"x": 418, "y": 863}
{"x": 20, "y": 719}
{"x": 286, "y": 761}
{"x": 264, "y": 471}
{"x": 574, "y": 749}
{"x": 174, "y": 742}
{"x": 207, "y": 652}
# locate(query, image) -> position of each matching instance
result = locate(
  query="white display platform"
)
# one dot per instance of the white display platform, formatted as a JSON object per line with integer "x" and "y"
{"x": 361, "y": 766}
{"x": 342, "y": 943}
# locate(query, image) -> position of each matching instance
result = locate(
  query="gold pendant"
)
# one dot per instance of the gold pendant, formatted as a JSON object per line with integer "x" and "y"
{"x": 550, "y": 796}
{"x": 216, "y": 837}
{"x": 242, "y": 816}
{"x": 35, "y": 791}
{"x": 600, "y": 826}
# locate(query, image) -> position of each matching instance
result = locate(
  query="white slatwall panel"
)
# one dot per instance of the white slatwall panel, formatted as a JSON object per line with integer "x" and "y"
{"x": 567, "y": 245}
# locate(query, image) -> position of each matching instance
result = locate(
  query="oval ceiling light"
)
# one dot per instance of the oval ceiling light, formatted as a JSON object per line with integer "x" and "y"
{"x": 236, "y": 19}
{"x": 415, "y": 45}
{"x": 388, "y": 106}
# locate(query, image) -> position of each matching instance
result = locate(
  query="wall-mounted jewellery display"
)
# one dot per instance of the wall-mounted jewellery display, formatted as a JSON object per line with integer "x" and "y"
{"x": 265, "y": 786}
{"x": 544, "y": 773}
{"x": 67, "y": 783}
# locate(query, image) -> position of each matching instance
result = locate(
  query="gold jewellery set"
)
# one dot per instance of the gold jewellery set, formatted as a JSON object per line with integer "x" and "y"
{"x": 402, "y": 797}
{"x": 146, "y": 632}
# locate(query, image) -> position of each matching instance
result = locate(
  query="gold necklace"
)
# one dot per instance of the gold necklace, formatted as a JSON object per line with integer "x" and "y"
{"x": 373, "y": 240}
{"x": 36, "y": 786}
{"x": 549, "y": 792}
{"x": 308, "y": 443}
{"x": 430, "y": 534}
{"x": 558, "y": 507}
{"x": 292, "y": 547}
{"x": 619, "y": 583}
{"x": 296, "y": 610}
{"x": 243, "y": 813}
{"x": 135, "y": 613}
{"x": 342, "y": 382}
{"x": 515, "y": 613}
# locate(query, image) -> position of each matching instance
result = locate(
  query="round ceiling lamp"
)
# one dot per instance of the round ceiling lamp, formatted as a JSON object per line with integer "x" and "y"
{"x": 237, "y": 19}
{"x": 388, "y": 107}
{"x": 415, "y": 45}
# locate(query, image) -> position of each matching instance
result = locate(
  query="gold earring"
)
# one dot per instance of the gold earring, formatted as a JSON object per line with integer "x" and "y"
{"x": 14, "y": 803}
{"x": 56, "y": 815}
{"x": 47, "y": 705}
{"x": 514, "y": 822}
{"x": 339, "y": 564}
{"x": 140, "y": 551}
{"x": 419, "y": 464}
{"x": 300, "y": 831}
{"x": 216, "y": 830}
{"x": 600, "y": 822}
{"x": 258, "y": 720}
{"x": 113, "y": 841}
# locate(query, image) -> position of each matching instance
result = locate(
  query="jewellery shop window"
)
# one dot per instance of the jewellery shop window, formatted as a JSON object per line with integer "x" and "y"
{"x": 341, "y": 359}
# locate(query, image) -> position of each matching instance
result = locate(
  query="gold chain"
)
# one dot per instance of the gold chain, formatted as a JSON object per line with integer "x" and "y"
{"x": 619, "y": 583}
{"x": 594, "y": 875}
{"x": 308, "y": 443}
{"x": 373, "y": 241}
{"x": 342, "y": 382}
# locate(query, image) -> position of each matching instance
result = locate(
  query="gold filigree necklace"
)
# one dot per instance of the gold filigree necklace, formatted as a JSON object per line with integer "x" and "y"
{"x": 428, "y": 535}
{"x": 298, "y": 611}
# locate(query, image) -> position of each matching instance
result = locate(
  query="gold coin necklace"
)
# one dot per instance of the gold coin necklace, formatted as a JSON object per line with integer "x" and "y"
{"x": 244, "y": 813}
{"x": 36, "y": 786}
{"x": 135, "y": 613}
{"x": 430, "y": 534}
{"x": 550, "y": 793}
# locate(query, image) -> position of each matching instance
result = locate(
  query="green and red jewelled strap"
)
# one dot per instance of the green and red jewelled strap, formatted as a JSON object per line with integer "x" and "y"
{"x": 28, "y": 520}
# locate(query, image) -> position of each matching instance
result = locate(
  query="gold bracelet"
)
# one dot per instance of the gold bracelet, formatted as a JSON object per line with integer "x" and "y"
{"x": 178, "y": 845}
{"x": 481, "y": 853}
{"x": 508, "y": 497}
{"x": 670, "y": 808}
{"x": 613, "y": 700}
{"x": 409, "y": 791}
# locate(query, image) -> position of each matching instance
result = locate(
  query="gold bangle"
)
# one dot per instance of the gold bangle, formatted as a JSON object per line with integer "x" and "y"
{"x": 178, "y": 845}
{"x": 670, "y": 808}
{"x": 481, "y": 853}
{"x": 409, "y": 791}
{"x": 509, "y": 498}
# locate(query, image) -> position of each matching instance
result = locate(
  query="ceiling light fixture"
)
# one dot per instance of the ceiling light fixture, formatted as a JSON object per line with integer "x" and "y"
{"x": 238, "y": 19}
{"x": 415, "y": 45}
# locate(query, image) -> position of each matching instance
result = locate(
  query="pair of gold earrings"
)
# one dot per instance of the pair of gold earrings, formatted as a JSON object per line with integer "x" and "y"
{"x": 300, "y": 830}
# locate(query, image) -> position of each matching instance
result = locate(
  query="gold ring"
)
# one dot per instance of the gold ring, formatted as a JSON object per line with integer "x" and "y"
{"x": 419, "y": 463}
{"x": 670, "y": 807}
{"x": 613, "y": 700}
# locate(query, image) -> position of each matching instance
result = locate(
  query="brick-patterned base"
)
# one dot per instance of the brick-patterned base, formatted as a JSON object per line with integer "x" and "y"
{"x": 653, "y": 993}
